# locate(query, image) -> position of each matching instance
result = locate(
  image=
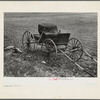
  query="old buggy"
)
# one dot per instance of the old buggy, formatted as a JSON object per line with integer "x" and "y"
{"x": 52, "y": 42}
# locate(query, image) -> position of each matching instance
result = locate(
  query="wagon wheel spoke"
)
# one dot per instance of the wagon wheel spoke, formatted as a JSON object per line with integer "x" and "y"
{"x": 49, "y": 47}
{"x": 30, "y": 37}
{"x": 76, "y": 55}
{"x": 73, "y": 42}
{"x": 27, "y": 41}
{"x": 74, "y": 49}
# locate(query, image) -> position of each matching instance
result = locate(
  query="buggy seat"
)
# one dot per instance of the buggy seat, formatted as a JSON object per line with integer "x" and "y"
{"x": 47, "y": 29}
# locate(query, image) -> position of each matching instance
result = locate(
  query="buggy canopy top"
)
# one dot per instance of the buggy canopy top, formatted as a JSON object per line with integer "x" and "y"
{"x": 47, "y": 28}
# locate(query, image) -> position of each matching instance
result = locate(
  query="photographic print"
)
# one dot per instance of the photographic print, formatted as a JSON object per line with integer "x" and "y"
{"x": 50, "y": 49}
{"x": 50, "y": 44}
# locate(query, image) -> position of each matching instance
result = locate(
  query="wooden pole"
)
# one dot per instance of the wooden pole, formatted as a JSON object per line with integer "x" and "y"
{"x": 90, "y": 56}
{"x": 77, "y": 64}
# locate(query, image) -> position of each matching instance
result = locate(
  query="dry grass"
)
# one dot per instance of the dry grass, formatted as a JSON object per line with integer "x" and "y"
{"x": 81, "y": 26}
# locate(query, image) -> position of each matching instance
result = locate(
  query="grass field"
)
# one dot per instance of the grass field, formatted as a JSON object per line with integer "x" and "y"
{"x": 82, "y": 26}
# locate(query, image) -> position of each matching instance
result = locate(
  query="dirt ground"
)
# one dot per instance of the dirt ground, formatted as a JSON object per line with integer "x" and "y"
{"x": 82, "y": 26}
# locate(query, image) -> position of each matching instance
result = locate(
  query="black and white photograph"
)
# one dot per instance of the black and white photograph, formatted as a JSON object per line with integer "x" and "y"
{"x": 49, "y": 49}
{"x": 50, "y": 44}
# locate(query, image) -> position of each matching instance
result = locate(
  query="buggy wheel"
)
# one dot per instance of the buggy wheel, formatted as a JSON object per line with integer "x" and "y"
{"x": 28, "y": 41}
{"x": 74, "y": 49}
{"x": 50, "y": 49}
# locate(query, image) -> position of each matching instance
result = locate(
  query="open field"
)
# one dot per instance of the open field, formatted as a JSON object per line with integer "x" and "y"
{"x": 82, "y": 26}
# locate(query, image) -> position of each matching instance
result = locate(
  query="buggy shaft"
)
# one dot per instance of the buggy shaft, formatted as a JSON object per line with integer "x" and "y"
{"x": 90, "y": 56}
{"x": 77, "y": 64}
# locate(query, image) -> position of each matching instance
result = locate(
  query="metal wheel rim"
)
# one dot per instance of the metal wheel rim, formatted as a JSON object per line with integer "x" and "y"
{"x": 27, "y": 40}
{"x": 74, "y": 49}
{"x": 50, "y": 54}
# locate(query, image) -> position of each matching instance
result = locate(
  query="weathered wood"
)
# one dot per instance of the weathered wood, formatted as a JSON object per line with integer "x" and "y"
{"x": 77, "y": 64}
{"x": 90, "y": 56}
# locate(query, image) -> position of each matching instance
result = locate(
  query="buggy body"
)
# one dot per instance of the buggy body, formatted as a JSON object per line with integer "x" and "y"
{"x": 51, "y": 31}
{"x": 52, "y": 41}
